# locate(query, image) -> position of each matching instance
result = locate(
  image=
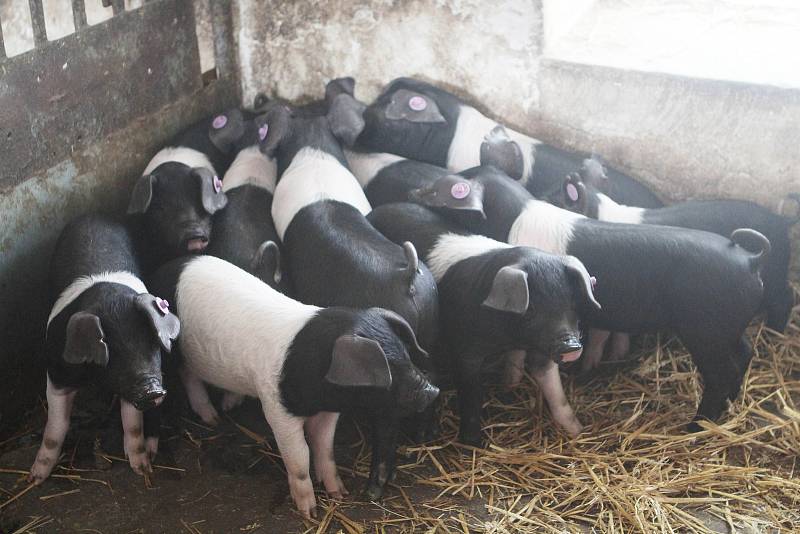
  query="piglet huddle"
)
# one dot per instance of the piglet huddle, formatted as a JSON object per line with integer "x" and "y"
{"x": 352, "y": 257}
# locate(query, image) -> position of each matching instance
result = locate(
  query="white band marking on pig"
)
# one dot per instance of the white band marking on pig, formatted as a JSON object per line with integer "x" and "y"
{"x": 608, "y": 210}
{"x": 81, "y": 284}
{"x": 452, "y": 248}
{"x": 253, "y": 167}
{"x": 471, "y": 129}
{"x": 241, "y": 347}
{"x": 313, "y": 176}
{"x": 181, "y": 154}
{"x": 366, "y": 165}
{"x": 543, "y": 226}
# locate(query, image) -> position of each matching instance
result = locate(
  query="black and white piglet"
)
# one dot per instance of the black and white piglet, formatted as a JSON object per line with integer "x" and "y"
{"x": 496, "y": 299}
{"x": 703, "y": 286}
{"x": 420, "y": 121}
{"x": 173, "y": 201}
{"x": 387, "y": 178}
{"x": 243, "y": 233}
{"x": 718, "y": 216}
{"x": 104, "y": 327}
{"x": 335, "y": 256}
{"x": 306, "y": 364}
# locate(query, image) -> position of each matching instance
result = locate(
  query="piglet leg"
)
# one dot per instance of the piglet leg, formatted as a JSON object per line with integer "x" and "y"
{"x": 59, "y": 408}
{"x": 620, "y": 345}
{"x": 593, "y": 351}
{"x": 384, "y": 453}
{"x": 515, "y": 368}
{"x": 231, "y": 400}
{"x": 320, "y": 429}
{"x": 133, "y": 438}
{"x": 549, "y": 381}
{"x": 198, "y": 397}
{"x": 152, "y": 431}
{"x": 288, "y": 432}
{"x": 470, "y": 399}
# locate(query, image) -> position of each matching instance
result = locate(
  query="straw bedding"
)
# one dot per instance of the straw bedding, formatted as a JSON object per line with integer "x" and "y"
{"x": 634, "y": 469}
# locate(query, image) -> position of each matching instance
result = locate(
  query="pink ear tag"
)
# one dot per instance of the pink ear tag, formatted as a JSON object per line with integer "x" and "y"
{"x": 262, "y": 132}
{"x": 593, "y": 281}
{"x": 217, "y": 184}
{"x": 417, "y": 103}
{"x": 572, "y": 192}
{"x": 459, "y": 190}
{"x": 163, "y": 306}
{"x": 219, "y": 121}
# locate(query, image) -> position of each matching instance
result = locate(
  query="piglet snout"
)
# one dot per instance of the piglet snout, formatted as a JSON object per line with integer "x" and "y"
{"x": 196, "y": 244}
{"x": 569, "y": 349}
{"x": 426, "y": 396}
{"x": 150, "y": 396}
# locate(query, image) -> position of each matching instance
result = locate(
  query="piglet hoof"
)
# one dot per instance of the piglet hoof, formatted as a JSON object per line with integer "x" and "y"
{"x": 40, "y": 470}
{"x": 138, "y": 458}
{"x": 208, "y": 414}
{"x": 337, "y": 491}
{"x": 574, "y": 430}
{"x": 694, "y": 427}
{"x": 231, "y": 401}
{"x": 306, "y": 505}
{"x": 373, "y": 491}
{"x": 471, "y": 439}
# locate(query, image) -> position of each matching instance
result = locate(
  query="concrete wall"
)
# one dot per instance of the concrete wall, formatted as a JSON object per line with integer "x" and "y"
{"x": 293, "y": 48}
{"x": 684, "y": 137}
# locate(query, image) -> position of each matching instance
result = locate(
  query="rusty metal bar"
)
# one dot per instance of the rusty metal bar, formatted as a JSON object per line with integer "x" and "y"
{"x": 79, "y": 14}
{"x": 37, "y": 22}
{"x": 117, "y": 6}
{"x": 222, "y": 27}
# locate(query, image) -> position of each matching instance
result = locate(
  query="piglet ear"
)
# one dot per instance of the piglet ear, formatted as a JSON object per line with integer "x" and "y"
{"x": 509, "y": 292}
{"x": 226, "y": 129}
{"x": 85, "y": 343}
{"x": 339, "y": 86}
{"x": 500, "y": 151}
{"x": 403, "y": 330}
{"x": 142, "y": 194}
{"x": 277, "y": 121}
{"x": 346, "y": 118}
{"x": 452, "y": 192}
{"x": 359, "y": 362}
{"x": 165, "y": 324}
{"x": 266, "y": 263}
{"x": 413, "y": 107}
{"x": 212, "y": 196}
{"x": 583, "y": 281}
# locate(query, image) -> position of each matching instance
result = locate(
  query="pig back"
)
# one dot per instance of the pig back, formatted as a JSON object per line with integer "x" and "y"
{"x": 88, "y": 245}
{"x": 235, "y": 329}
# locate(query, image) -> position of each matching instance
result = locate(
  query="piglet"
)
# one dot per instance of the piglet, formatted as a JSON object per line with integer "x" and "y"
{"x": 387, "y": 178}
{"x": 420, "y": 121}
{"x": 104, "y": 327}
{"x": 586, "y": 196}
{"x": 497, "y": 299}
{"x": 244, "y": 233}
{"x": 703, "y": 286}
{"x": 306, "y": 364}
{"x": 171, "y": 211}
{"x": 319, "y": 212}
{"x": 172, "y": 203}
